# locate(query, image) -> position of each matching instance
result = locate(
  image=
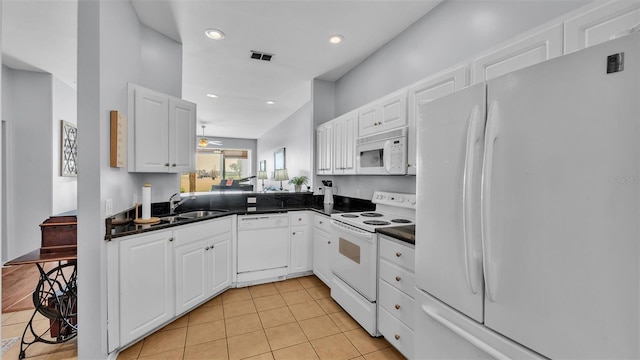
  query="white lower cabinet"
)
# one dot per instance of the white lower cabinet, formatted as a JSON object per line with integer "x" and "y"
{"x": 300, "y": 259}
{"x": 396, "y": 298}
{"x": 323, "y": 248}
{"x": 145, "y": 274}
{"x": 202, "y": 261}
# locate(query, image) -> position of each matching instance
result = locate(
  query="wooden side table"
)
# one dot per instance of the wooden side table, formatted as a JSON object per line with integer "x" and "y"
{"x": 55, "y": 297}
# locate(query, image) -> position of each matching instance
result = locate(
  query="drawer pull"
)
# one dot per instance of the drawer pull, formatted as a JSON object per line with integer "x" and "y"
{"x": 294, "y": 233}
{"x": 397, "y": 337}
{"x": 170, "y": 239}
{"x": 398, "y": 278}
{"x": 206, "y": 249}
{"x": 397, "y": 307}
{"x": 299, "y": 219}
{"x": 398, "y": 254}
{"x": 328, "y": 242}
{"x": 320, "y": 222}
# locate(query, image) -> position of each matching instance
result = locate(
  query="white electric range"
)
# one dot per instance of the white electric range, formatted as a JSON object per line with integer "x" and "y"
{"x": 355, "y": 265}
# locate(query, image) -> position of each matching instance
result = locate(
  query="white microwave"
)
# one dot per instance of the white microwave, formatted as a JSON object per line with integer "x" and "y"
{"x": 382, "y": 154}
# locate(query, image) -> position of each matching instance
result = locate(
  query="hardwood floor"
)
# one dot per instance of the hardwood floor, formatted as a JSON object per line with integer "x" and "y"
{"x": 18, "y": 283}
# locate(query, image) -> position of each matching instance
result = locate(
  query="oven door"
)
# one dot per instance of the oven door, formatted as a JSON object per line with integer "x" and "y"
{"x": 356, "y": 258}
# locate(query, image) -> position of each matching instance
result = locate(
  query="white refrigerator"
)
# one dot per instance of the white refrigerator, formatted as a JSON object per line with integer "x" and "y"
{"x": 528, "y": 215}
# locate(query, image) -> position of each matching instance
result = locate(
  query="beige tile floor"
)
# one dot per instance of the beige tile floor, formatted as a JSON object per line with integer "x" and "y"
{"x": 13, "y": 325}
{"x": 292, "y": 319}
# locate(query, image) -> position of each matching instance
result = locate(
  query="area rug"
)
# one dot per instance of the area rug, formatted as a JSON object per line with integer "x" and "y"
{"x": 8, "y": 343}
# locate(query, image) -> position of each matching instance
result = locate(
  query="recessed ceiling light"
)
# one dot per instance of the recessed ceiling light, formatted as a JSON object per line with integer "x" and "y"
{"x": 214, "y": 34}
{"x": 336, "y": 39}
{"x": 212, "y": 95}
{"x": 270, "y": 102}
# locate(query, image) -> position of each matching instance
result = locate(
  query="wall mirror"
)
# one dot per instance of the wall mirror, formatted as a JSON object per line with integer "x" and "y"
{"x": 279, "y": 159}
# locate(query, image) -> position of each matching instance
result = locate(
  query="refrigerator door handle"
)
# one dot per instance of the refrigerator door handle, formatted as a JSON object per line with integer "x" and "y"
{"x": 473, "y": 136}
{"x": 485, "y": 198}
{"x": 489, "y": 350}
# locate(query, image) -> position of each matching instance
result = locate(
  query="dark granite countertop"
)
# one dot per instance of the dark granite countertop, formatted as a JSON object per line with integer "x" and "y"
{"x": 402, "y": 233}
{"x": 122, "y": 224}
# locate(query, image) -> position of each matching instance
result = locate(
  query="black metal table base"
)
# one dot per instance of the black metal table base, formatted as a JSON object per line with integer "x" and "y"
{"x": 55, "y": 298}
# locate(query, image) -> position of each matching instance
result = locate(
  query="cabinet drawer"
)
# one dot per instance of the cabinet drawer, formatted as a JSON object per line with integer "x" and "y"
{"x": 396, "y": 276}
{"x": 397, "y": 303}
{"x": 398, "y": 335}
{"x": 299, "y": 218}
{"x": 397, "y": 254}
{"x": 322, "y": 222}
{"x": 204, "y": 229}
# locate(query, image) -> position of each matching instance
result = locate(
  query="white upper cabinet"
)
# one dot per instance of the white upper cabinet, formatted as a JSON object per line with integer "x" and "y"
{"x": 344, "y": 144}
{"x": 531, "y": 48}
{"x": 599, "y": 23}
{"x": 162, "y": 132}
{"x": 384, "y": 114}
{"x": 324, "y": 149}
{"x": 431, "y": 88}
{"x": 182, "y": 139}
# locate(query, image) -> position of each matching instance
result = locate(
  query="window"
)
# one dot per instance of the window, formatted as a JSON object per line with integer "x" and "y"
{"x": 215, "y": 165}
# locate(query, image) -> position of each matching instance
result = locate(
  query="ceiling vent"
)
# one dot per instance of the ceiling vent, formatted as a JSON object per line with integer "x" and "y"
{"x": 261, "y": 56}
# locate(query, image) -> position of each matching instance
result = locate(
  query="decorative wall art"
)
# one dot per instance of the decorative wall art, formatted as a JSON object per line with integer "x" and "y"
{"x": 69, "y": 149}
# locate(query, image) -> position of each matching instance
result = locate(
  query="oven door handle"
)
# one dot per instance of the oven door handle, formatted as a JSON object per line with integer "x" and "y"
{"x": 353, "y": 231}
{"x": 386, "y": 156}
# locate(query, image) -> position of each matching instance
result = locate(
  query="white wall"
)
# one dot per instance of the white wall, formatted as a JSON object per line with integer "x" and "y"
{"x": 64, "y": 188}
{"x": 452, "y": 32}
{"x": 110, "y": 45}
{"x": 29, "y": 167}
{"x": 295, "y": 134}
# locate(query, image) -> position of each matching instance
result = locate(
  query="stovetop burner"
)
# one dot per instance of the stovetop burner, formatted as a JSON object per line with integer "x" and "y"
{"x": 349, "y": 215}
{"x": 371, "y": 214}
{"x": 401, "y": 221}
{"x": 376, "y": 222}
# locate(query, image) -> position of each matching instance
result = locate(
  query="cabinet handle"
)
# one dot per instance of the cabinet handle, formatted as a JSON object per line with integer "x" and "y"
{"x": 320, "y": 222}
{"x": 398, "y": 254}
{"x": 398, "y": 278}
{"x": 397, "y": 307}
{"x": 293, "y": 233}
{"x": 397, "y": 336}
{"x": 328, "y": 242}
{"x": 170, "y": 239}
{"x": 174, "y": 165}
{"x": 299, "y": 219}
{"x": 207, "y": 248}
{"x": 166, "y": 164}
{"x": 211, "y": 247}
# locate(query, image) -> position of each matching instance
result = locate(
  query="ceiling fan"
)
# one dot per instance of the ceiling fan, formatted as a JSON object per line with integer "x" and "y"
{"x": 203, "y": 142}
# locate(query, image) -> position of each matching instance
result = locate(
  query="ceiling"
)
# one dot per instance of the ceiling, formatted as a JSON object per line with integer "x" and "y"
{"x": 41, "y": 35}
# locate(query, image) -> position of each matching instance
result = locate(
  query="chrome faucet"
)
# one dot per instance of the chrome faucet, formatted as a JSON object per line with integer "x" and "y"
{"x": 176, "y": 200}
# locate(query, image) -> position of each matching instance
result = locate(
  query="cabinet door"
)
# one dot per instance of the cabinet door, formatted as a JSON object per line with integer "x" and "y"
{"x": 146, "y": 284}
{"x": 325, "y": 149}
{"x": 344, "y": 143}
{"x": 538, "y": 46}
{"x": 387, "y": 113}
{"x": 150, "y": 132}
{"x": 426, "y": 90}
{"x": 301, "y": 250}
{"x": 321, "y": 256}
{"x": 220, "y": 265}
{"x": 191, "y": 266}
{"x": 182, "y": 136}
{"x": 601, "y": 22}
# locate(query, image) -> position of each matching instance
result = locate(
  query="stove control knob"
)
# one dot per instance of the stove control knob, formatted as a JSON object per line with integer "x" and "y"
{"x": 412, "y": 201}
{"x": 400, "y": 199}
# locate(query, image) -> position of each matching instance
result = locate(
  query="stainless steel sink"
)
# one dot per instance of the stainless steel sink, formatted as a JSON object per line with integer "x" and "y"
{"x": 200, "y": 213}
{"x": 171, "y": 219}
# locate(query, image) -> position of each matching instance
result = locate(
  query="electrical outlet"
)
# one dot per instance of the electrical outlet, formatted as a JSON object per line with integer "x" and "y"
{"x": 108, "y": 207}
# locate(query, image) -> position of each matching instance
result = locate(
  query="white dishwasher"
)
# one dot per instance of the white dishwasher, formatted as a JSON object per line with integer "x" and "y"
{"x": 263, "y": 248}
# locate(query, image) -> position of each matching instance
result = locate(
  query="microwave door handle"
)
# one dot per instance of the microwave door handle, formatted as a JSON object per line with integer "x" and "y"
{"x": 386, "y": 156}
